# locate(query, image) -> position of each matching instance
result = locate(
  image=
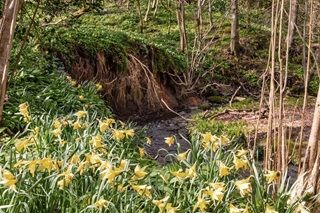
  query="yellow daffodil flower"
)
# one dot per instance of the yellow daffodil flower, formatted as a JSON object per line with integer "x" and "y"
{"x": 101, "y": 203}
{"x": 23, "y": 109}
{"x": 179, "y": 174}
{"x": 96, "y": 141}
{"x": 67, "y": 178}
{"x": 46, "y": 163}
{"x": 233, "y": 209}
{"x": 223, "y": 169}
{"x": 106, "y": 124}
{"x": 77, "y": 125}
{"x": 8, "y": 179}
{"x": 56, "y": 132}
{"x": 141, "y": 152}
{"x": 129, "y": 133}
{"x": 118, "y": 134}
{"x": 31, "y": 166}
{"x": 21, "y": 144}
{"x": 201, "y": 203}
{"x": 139, "y": 173}
{"x": 224, "y": 140}
{"x": 242, "y": 152}
{"x": 93, "y": 159}
{"x": 99, "y": 86}
{"x": 183, "y": 156}
{"x": 148, "y": 140}
{"x": 160, "y": 203}
{"x": 191, "y": 172}
{"x": 169, "y": 140}
{"x": 142, "y": 190}
{"x": 74, "y": 159}
{"x": 269, "y": 209}
{"x": 57, "y": 124}
{"x": 81, "y": 97}
{"x": 271, "y": 176}
{"x": 80, "y": 114}
{"x": 218, "y": 185}
{"x": 243, "y": 186}
{"x": 214, "y": 194}
{"x": 240, "y": 162}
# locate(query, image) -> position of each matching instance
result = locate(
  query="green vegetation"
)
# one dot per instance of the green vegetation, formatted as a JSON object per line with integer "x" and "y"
{"x": 63, "y": 150}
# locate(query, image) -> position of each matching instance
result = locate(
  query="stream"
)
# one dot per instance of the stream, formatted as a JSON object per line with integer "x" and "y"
{"x": 158, "y": 126}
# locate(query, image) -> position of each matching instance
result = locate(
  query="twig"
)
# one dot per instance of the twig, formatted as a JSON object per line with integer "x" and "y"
{"x": 171, "y": 110}
{"x": 230, "y": 102}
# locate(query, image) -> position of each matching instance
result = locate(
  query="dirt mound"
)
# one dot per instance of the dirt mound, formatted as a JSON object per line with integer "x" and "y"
{"x": 131, "y": 83}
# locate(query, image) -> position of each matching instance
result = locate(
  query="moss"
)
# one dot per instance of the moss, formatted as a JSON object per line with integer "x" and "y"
{"x": 217, "y": 100}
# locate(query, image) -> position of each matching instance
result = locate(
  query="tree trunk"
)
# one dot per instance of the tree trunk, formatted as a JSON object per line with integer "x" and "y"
{"x": 234, "y": 44}
{"x": 7, "y": 27}
{"x": 293, "y": 14}
{"x": 181, "y": 24}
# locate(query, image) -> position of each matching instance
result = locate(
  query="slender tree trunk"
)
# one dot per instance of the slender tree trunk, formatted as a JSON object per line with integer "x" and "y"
{"x": 235, "y": 45}
{"x": 293, "y": 15}
{"x": 7, "y": 27}
{"x": 181, "y": 24}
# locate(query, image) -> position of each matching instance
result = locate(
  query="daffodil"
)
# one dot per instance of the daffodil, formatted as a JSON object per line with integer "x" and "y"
{"x": 77, "y": 124}
{"x": 233, "y": 209}
{"x": 169, "y": 140}
{"x": 31, "y": 166}
{"x": 148, "y": 140}
{"x": 56, "y": 132}
{"x": 96, "y": 141}
{"x": 201, "y": 203}
{"x": 207, "y": 137}
{"x": 139, "y": 173}
{"x": 161, "y": 203}
{"x": 269, "y": 209}
{"x": 240, "y": 162}
{"x": 242, "y": 152}
{"x": 80, "y": 114}
{"x": 106, "y": 124}
{"x": 74, "y": 159}
{"x": 183, "y": 156}
{"x": 8, "y": 179}
{"x": 118, "y": 134}
{"x": 99, "y": 86}
{"x": 191, "y": 172}
{"x": 129, "y": 133}
{"x": 218, "y": 185}
{"x": 243, "y": 186}
{"x": 223, "y": 169}
{"x": 142, "y": 190}
{"x": 23, "y": 109}
{"x": 271, "y": 176}
{"x": 93, "y": 159}
{"x": 21, "y": 144}
{"x": 46, "y": 163}
{"x": 57, "y": 124}
{"x": 101, "y": 203}
{"x": 179, "y": 174}
{"x": 224, "y": 140}
{"x": 141, "y": 151}
{"x": 81, "y": 97}
{"x": 68, "y": 175}
{"x": 214, "y": 194}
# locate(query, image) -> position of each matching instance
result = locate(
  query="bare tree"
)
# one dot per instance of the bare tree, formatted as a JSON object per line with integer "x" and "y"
{"x": 234, "y": 44}
{"x": 293, "y": 14}
{"x": 7, "y": 27}
{"x": 181, "y": 24}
